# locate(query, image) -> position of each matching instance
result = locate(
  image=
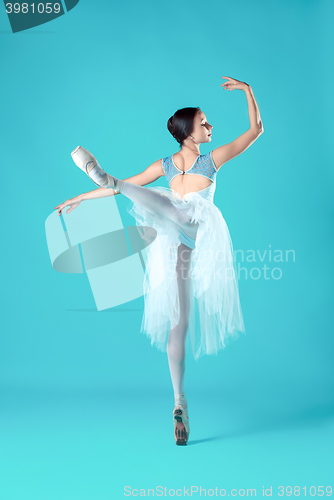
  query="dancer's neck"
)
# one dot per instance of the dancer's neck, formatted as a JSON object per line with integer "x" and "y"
{"x": 191, "y": 147}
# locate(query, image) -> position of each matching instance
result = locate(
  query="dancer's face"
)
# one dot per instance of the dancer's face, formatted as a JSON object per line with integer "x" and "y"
{"x": 202, "y": 129}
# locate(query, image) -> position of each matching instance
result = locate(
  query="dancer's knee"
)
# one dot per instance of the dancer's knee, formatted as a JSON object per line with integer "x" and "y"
{"x": 180, "y": 332}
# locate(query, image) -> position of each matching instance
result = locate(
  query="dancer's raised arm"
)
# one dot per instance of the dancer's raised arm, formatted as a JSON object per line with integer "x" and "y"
{"x": 229, "y": 151}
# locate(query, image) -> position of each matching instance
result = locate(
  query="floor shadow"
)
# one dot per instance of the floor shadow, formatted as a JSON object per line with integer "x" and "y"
{"x": 206, "y": 440}
{"x": 316, "y": 415}
{"x": 319, "y": 414}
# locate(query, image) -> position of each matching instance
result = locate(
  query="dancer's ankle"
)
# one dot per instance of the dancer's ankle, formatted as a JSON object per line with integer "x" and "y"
{"x": 115, "y": 184}
{"x": 180, "y": 399}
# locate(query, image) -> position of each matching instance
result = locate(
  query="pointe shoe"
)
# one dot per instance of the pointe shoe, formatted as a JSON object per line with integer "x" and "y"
{"x": 89, "y": 164}
{"x": 181, "y": 425}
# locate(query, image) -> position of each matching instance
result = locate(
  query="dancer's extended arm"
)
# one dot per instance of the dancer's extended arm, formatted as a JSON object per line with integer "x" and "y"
{"x": 75, "y": 202}
{"x": 149, "y": 175}
{"x": 229, "y": 151}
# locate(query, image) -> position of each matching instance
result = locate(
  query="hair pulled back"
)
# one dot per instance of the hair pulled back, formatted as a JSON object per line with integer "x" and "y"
{"x": 181, "y": 124}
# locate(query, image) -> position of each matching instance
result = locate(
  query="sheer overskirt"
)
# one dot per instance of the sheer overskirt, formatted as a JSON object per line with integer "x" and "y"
{"x": 215, "y": 311}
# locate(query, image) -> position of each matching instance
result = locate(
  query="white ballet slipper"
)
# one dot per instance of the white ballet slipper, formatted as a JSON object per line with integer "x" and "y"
{"x": 89, "y": 164}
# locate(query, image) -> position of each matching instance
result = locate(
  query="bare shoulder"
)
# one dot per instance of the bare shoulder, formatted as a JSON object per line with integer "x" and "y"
{"x": 227, "y": 152}
{"x": 150, "y": 174}
{"x": 155, "y": 168}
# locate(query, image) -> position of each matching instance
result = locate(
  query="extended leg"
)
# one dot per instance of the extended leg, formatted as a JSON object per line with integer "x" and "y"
{"x": 153, "y": 201}
{"x": 176, "y": 350}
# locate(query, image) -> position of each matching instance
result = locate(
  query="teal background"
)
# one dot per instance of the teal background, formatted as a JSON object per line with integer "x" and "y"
{"x": 86, "y": 402}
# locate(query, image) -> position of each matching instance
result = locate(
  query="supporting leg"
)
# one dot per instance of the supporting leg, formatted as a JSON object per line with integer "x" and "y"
{"x": 176, "y": 350}
{"x": 177, "y": 336}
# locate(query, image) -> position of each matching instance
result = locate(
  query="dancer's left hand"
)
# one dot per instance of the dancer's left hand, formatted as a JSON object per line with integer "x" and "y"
{"x": 234, "y": 84}
{"x": 73, "y": 202}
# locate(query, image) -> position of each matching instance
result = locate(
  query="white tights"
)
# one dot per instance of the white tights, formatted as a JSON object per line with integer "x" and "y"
{"x": 177, "y": 336}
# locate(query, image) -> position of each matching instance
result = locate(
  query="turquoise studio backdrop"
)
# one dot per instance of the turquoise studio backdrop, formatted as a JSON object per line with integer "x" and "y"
{"x": 86, "y": 401}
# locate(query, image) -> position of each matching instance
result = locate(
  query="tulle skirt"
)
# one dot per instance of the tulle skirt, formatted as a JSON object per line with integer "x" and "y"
{"x": 215, "y": 312}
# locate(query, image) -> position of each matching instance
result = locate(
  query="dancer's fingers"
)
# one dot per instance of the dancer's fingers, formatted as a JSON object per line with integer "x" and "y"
{"x": 60, "y": 208}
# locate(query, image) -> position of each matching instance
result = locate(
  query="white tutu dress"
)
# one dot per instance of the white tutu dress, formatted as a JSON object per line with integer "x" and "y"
{"x": 215, "y": 312}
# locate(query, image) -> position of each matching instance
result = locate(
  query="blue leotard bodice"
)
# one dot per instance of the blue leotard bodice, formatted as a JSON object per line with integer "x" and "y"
{"x": 203, "y": 165}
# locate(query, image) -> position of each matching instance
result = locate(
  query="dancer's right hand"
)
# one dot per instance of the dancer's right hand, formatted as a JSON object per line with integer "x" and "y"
{"x": 73, "y": 202}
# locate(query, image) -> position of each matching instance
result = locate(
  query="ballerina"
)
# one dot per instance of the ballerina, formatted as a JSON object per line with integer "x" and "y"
{"x": 199, "y": 295}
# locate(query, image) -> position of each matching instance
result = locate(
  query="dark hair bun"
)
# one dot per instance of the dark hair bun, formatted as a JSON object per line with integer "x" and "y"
{"x": 181, "y": 124}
